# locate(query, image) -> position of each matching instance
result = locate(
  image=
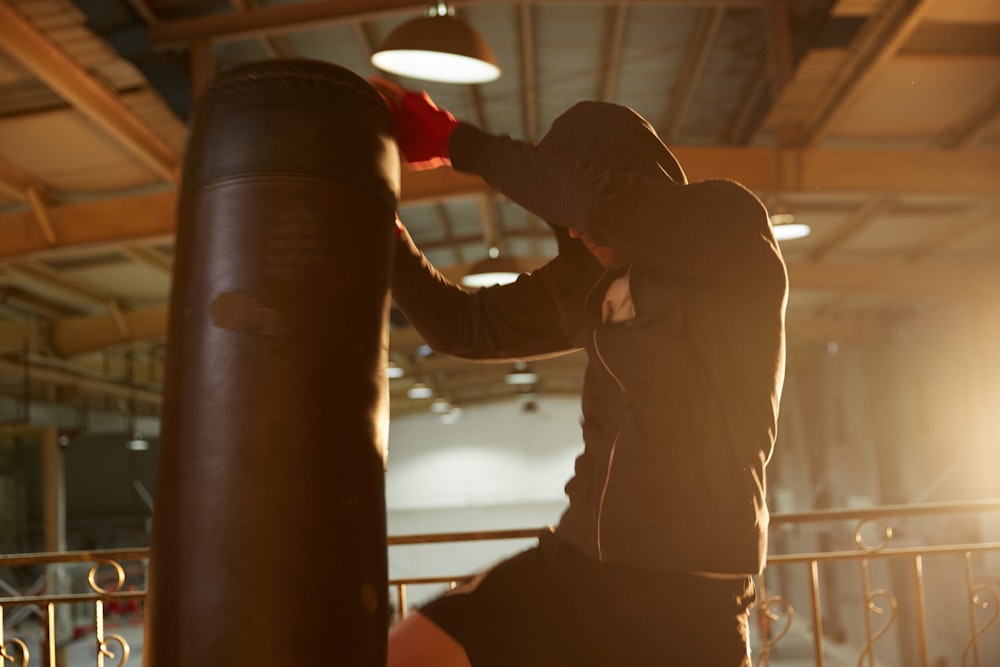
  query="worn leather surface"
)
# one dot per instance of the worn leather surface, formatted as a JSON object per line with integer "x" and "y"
{"x": 269, "y": 542}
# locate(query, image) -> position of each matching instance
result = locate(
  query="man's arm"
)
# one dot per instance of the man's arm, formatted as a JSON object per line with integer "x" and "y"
{"x": 515, "y": 321}
{"x": 712, "y": 229}
{"x": 504, "y": 322}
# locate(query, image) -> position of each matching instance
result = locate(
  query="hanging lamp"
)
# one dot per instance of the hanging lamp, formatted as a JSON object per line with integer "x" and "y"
{"x": 438, "y": 47}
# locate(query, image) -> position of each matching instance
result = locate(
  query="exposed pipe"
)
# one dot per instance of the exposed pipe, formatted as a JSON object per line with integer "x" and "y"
{"x": 83, "y": 384}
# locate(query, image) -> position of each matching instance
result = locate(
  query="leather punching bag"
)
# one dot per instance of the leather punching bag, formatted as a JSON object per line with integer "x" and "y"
{"x": 269, "y": 538}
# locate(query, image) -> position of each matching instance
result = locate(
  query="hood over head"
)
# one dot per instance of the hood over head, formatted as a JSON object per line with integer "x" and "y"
{"x": 614, "y": 135}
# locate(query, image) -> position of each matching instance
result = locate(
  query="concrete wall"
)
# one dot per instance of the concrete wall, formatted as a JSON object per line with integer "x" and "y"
{"x": 497, "y": 467}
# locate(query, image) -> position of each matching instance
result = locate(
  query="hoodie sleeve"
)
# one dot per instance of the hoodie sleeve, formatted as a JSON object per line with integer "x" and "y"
{"x": 505, "y": 322}
{"x": 713, "y": 230}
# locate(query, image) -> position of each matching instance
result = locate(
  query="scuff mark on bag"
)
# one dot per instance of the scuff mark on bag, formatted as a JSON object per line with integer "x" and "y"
{"x": 238, "y": 311}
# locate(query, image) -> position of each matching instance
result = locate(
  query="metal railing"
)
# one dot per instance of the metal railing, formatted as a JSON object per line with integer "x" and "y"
{"x": 981, "y": 595}
{"x": 776, "y": 621}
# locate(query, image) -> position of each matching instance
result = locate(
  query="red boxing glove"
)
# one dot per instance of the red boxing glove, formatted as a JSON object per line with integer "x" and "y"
{"x": 422, "y": 130}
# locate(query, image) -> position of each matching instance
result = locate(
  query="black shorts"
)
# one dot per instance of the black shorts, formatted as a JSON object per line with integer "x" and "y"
{"x": 551, "y": 606}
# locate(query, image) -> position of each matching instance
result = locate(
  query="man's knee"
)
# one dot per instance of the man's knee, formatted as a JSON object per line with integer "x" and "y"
{"x": 416, "y": 641}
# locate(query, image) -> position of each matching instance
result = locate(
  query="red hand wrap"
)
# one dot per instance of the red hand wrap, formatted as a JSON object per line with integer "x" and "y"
{"x": 422, "y": 130}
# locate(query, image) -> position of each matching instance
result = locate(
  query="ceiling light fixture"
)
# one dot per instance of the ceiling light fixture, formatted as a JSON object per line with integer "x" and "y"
{"x": 452, "y": 416}
{"x": 440, "y": 405}
{"x": 787, "y": 231}
{"x": 419, "y": 390}
{"x": 784, "y": 225}
{"x": 438, "y": 47}
{"x": 494, "y": 270}
{"x": 521, "y": 378}
{"x": 137, "y": 443}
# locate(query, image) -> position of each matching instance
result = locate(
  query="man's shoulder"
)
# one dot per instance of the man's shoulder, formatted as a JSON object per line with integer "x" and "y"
{"x": 725, "y": 185}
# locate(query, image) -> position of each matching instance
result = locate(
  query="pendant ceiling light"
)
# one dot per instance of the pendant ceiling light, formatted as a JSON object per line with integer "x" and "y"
{"x": 437, "y": 47}
{"x": 493, "y": 270}
{"x": 784, "y": 225}
{"x": 489, "y": 272}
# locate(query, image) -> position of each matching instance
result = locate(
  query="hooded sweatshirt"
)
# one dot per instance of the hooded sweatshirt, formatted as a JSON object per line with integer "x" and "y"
{"x": 681, "y": 392}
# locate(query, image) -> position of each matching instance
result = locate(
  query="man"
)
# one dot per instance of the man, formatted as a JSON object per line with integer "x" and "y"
{"x": 677, "y": 293}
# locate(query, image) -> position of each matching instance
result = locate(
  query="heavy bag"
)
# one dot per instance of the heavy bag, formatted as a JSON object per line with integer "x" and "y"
{"x": 269, "y": 538}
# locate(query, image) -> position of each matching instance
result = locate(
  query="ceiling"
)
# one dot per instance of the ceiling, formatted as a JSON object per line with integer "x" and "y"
{"x": 876, "y": 121}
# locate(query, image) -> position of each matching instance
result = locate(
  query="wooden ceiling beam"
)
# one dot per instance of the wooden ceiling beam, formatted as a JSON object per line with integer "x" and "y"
{"x": 559, "y": 374}
{"x": 973, "y": 124}
{"x": 83, "y": 334}
{"x": 148, "y": 256}
{"x": 486, "y": 206}
{"x": 421, "y": 187}
{"x": 64, "y": 74}
{"x": 101, "y": 222}
{"x": 825, "y": 329}
{"x": 474, "y": 100}
{"x": 448, "y": 232}
{"x": 79, "y": 335}
{"x": 79, "y": 382}
{"x": 886, "y": 173}
{"x": 743, "y": 126}
{"x": 882, "y": 36}
{"x": 276, "y": 19}
{"x": 695, "y": 55}
{"x": 610, "y": 52}
{"x": 940, "y": 280}
{"x": 13, "y": 335}
{"x": 858, "y": 221}
{"x": 274, "y": 47}
{"x": 141, "y": 7}
{"x": 41, "y": 213}
{"x": 16, "y": 183}
{"x": 779, "y": 63}
{"x": 477, "y": 109}
{"x": 55, "y": 284}
{"x": 985, "y": 214}
{"x": 262, "y": 21}
{"x": 780, "y": 58}
{"x": 528, "y": 64}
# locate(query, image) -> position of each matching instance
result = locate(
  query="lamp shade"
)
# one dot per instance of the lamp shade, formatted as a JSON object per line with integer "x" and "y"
{"x": 492, "y": 271}
{"x": 784, "y": 224}
{"x": 788, "y": 231}
{"x": 137, "y": 443}
{"x": 437, "y": 48}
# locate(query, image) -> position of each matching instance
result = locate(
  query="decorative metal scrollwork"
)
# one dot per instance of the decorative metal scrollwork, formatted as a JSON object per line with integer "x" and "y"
{"x": 119, "y": 576}
{"x": 869, "y": 648}
{"x": 103, "y": 650}
{"x": 870, "y": 548}
{"x": 982, "y": 596}
{"x": 7, "y": 657}
{"x": 766, "y": 609}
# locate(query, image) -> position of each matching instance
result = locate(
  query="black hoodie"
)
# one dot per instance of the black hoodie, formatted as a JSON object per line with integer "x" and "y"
{"x": 679, "y": 403}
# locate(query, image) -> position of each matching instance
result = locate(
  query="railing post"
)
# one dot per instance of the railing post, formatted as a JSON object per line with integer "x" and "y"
{"x": 921, "y": 609}
{"x": 817, "y": 612}
{"x": 54, "y": 531}
{"x": 866, "y": 598}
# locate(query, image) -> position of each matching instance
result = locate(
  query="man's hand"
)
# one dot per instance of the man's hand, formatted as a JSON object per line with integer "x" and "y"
{"x": 422, "y": 129}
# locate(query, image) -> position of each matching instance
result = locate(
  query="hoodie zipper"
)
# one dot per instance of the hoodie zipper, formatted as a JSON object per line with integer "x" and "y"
{"x": 611, "y": 454}
{"x": 614, "y": 442}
